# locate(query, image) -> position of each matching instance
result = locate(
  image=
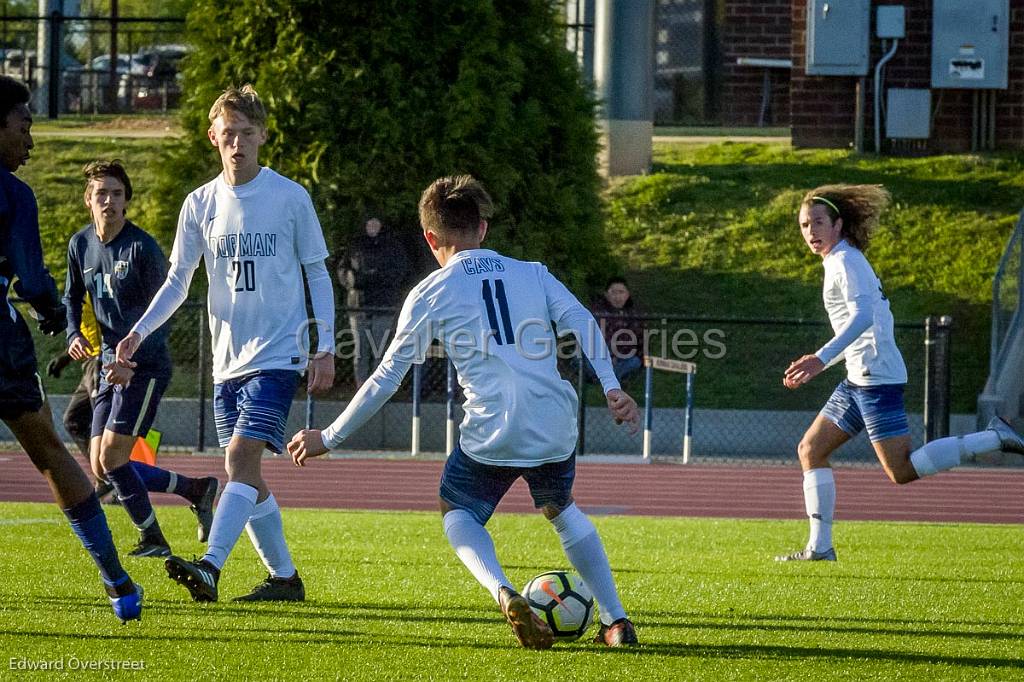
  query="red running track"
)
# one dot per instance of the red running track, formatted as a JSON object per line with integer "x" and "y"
{"x": 975, "y": 496}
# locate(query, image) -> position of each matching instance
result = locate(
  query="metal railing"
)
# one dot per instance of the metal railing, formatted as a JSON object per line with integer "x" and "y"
{"x": 1007, "y": 302}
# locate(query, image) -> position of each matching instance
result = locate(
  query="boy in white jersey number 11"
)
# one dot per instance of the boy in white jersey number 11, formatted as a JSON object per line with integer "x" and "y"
{"x": 837, "y": 222}
{"x": 493, "y": 316}
{"x": 259, "y": 236}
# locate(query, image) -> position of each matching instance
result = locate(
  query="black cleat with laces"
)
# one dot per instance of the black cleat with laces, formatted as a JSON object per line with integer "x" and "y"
{"x": 277, "y": 589}
{"x": 198, "y": 577}
{"x": 619, "y": 633}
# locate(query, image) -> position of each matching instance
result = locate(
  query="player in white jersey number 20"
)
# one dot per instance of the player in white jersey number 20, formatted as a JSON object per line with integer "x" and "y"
{"x": 258, "y": 235}
{"x": 493, "y": 316}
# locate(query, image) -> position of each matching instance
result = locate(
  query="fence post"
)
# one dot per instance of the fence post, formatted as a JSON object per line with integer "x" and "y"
{"x": 56, "y": 73}
{"x": 937, "y": 377}
{"x": 201, "y": 439}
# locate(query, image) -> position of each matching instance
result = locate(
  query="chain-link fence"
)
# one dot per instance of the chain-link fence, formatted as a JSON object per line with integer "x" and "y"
{"x": 94, "y": 64}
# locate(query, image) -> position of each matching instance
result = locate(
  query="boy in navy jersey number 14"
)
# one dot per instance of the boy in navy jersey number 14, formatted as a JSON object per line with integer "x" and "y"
{"x": 493, "y": 315}
{"x": 121, "y": 267}
{"x": 23, "y": 406}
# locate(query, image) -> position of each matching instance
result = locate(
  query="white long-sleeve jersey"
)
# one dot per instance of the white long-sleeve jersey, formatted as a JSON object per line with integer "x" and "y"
{"x": 493, "y": 315}
{"x": 861, "y": 319}
{"x": 254, "y": 238}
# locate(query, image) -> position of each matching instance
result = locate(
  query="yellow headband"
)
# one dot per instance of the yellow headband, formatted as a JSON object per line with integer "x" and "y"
{"x": 827, "y": 203}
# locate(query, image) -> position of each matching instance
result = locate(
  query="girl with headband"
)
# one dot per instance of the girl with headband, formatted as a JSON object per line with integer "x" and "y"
{"x": 837, "y": 222}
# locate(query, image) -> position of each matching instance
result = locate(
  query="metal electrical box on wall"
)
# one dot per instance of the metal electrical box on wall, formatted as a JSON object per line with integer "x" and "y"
{"x": 837, "y": 37}
{"x": 970, "y": 43}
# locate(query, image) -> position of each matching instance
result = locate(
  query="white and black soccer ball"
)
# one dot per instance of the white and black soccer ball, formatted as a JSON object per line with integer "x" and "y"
{"x": 563, "y": 601}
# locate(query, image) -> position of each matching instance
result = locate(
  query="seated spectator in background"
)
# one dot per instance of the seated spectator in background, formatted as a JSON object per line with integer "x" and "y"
{"x": 623, "y": 332}
{"x": 373, "y": 273}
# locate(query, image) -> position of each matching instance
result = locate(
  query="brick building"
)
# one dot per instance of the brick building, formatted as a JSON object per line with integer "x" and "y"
{"x": 820, "y": 110}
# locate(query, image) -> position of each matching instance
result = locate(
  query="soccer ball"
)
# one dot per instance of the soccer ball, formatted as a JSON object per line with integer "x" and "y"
{"x": 563, "y": 601}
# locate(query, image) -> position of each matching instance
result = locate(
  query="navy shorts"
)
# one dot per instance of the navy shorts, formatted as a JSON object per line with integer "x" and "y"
{"x": 255, "y": 406}
{"x": 878, "y": 408}
{"x": 20, "y": 394}
{"x": 477, "y": 488}
{"x": 128, "y": 410}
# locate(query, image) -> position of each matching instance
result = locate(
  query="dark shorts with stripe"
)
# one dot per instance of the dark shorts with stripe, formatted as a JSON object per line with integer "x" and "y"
{"x": 20, "y": 394}
{"x": 879, "y": 409}
{"x": 255, "y": 406}
{"x": 128, "y": 410}
{"x": 478, "y": 488}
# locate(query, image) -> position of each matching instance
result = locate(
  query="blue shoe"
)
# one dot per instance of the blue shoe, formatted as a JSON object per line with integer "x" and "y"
{"x": 128, "y": 607}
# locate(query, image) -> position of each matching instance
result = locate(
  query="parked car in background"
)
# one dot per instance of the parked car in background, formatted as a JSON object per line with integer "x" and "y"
{"x": 154, "y": 79}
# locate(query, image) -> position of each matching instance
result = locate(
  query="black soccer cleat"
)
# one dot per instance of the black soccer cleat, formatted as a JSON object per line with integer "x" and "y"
{"x": 620, "y": 633}
{"x": 277, "y": 589}
{"x": 198, "y": 577}
{"x": 150, "y": 548}
{"x": 1009, "y": 440}
{"x": 203, "y": 508}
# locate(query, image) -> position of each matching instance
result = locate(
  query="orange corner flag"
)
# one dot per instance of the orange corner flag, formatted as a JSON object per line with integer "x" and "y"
{"x": 145, "y": 449}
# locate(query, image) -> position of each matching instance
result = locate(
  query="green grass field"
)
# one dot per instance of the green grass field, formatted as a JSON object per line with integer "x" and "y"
{"x": 389, "y": 600}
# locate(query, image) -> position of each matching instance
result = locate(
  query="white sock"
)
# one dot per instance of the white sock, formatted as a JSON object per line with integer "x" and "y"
{"x": 266, "y": 531}
{"x": 233, "y": 511}
{"x": 820, "y": 502}
{"x": 946, "y": 453}
{"x": 473, "y": 545}
{"x": 583, "y": 548}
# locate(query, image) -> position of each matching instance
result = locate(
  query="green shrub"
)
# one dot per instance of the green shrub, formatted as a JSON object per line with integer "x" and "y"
{"x": 369, "y": 102}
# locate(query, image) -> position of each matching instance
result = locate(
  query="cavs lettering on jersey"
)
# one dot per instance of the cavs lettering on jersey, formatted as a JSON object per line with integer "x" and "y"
{"x": 253, "y": 238}
{"x": 493, "y": 316}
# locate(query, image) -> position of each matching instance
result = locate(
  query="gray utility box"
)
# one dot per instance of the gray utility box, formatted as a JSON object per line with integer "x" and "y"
{"x": 908, "y": 113}
{"x": 837, "y": 37}
{"x": 970, "y": 43}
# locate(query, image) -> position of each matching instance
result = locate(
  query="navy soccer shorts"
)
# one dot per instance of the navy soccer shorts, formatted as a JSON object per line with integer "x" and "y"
{"x": 255, "y": 406}
{"x": 128, "y": 410}
{"x": 878, "y": 408}
{"x": 20, "y": 394}
{"x": 477, "y": 488}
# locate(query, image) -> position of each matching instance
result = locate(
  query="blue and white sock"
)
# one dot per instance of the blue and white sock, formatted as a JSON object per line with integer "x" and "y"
{"x": 159, "y": 480}
{"x": 583, "y": 548}
{"x": 134, "y": 497}
{"x": 237, "y": 503}
{"x": 90, "y": 525}
{"x": 266, "y": 531}
{"x": 473, "y": 545}
{"x": 820, "y": 503}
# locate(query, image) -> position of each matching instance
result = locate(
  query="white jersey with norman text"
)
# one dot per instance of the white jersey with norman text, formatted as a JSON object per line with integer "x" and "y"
{"x": 254, "y": 238}
{"x": 493, "y": 316}
{"x": 872, "y": 358}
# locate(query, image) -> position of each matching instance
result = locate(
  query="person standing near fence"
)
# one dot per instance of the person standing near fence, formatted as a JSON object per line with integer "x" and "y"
{"x": 259, "y": 235}
{"x": 372, "y": 273}
{"x": 493, "y": 315}
{"x": 23, "y": 405}
{"x": 837, "y": 223}
{"x": 616, "y": 312}
{"x": 120, "y": 267}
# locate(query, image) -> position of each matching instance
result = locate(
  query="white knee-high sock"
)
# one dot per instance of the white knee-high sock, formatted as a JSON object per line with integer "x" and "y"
{"x": 583, "y": 548}
{"x": 266, "y": 531}
{"x": 473, "y": 545}
{"x": 946, "y": 453}
{"x": 233, "y": 511}
{"x": 820, "y": 503}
